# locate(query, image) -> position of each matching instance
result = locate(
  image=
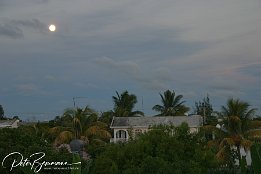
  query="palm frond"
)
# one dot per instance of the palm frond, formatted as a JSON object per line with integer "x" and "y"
{"x": 63, "y": 137}
{"x": 253, "y": 134}
{"x": 221, "y": 155}
{"x": 246, "y": 144}
{"x": 213, "y": 143}
{"x": 77, "y": 127}
{"x": 158, "y": 108}
{"x": 98, "y": 142}
{"x": 100, "y": 124}
{"x": 234, "y": 119}
{"x": 136, "y": 113}
{"x": 226, "y": 141}
{"x": 85, "y": 139}
{"x": 55, "y": 130}
{"x": 97, "y": 132}
{"x": 254, "y": 124}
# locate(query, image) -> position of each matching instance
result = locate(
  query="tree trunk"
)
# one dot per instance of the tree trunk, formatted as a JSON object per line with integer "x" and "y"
{"x": 238, "y": 155}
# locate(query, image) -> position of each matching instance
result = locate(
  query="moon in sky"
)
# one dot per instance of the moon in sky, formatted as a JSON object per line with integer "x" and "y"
{"x": 52, "y": 27}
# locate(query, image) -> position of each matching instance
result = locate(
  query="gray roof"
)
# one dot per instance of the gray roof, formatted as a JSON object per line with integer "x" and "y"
{"x": 193, "y": 121}
{"x": 4, "y": 123}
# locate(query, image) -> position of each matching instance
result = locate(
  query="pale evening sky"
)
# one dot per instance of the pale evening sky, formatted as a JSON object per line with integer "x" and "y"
{"x": 143, "y": 46}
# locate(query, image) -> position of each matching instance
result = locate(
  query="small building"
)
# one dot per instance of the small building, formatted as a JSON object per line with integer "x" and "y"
{"x": 9, "y": 123}
{"x": 123, "y": 125}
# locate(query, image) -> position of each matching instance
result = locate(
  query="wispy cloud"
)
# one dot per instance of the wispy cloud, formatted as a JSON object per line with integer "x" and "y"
{"x": 50, "y": 78}
{"x": 11, "y": 31}
{"x": 27, "y": 88}
{"x": 34, "y": 23}
{"x": 128, "y": 67}
{"x": 14, "y": 28}
{"x": 154, "y": 79}
{"x": 253, "y": 70}
{"x": 43, "y": 1}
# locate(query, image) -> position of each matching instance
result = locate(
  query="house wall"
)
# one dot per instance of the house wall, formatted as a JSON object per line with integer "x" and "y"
{"x": 133, "y": 132}
{"x": 115, "y": 139}
{"x": 193, "y": 130}
{"x": 15, "y": 124}
{"x": 10, "y": 125}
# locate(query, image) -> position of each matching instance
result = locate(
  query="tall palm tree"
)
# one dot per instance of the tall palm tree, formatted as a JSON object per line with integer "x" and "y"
{"x": 241, "y": 110}
{"x": 124, "y": 104}
{"x": 172, "y": 104}
{"x": 238, "y": 129}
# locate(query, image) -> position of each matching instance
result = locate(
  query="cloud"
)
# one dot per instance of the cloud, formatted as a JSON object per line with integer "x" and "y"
{"x": 128, "y": 67}
{"x": 154, "y": 84}
{"x": 43, "y": 1}
{"x": 253, "y": 70}
{"x": 34, "y": 23}
{"x": 27, "y": 88}
{"x": 154, "y": 79}
{"x": 14, "y": 28}
{"x": 50, "y": 78}
{"x": 223, "y": 87}
{"x": 86, "y": 85}
{"x": 11, "y": 31}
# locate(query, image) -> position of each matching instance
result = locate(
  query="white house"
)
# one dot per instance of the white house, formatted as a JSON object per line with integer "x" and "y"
{"x": 9, "y": 123}
{"x": 123, "y": 125}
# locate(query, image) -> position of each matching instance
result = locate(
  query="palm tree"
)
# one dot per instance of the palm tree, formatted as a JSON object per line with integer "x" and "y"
{"x": 172, "y": 105}
{"x": 241, "y": 110}
{"x": 124, "y": 104}
{"x": 1, "y": 112}
{"x": 237, "y": 130}
{"x": 84, "y": 125}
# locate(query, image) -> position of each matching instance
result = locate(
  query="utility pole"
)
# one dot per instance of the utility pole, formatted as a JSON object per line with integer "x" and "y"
{"x": 203, "y": 109}
{"x": 142, "y": 104}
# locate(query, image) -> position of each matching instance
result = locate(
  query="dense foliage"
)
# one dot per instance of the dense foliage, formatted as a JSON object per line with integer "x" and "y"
{"x": 164, "y": 149}
{"x": 81, "y": 124}
{"x": 27, "y": 143}
{"x": 205, "y": 109}
{"x": 158, "y": 151}
{"x": 237, "y": 131}
{"x": 256, "y": 157}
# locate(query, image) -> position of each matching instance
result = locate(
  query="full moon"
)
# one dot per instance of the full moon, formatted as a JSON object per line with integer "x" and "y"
{"x": 52, "y": 28}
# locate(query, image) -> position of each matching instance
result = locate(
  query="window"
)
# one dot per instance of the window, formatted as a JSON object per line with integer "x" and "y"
{"x": 121, "y": 134}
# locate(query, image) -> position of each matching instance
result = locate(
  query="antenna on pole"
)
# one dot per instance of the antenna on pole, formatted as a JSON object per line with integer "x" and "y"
{"x": 74, "y": 102}
{"x": 142, "y": 104}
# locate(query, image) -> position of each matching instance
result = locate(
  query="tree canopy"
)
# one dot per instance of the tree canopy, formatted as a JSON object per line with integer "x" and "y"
{"x": 124, "y": 104}
{"x": 27, "y": 142}
{"x": 237, "y": 130}
{"x": 172, "y": 104}
{"x": 158, "y": 151}
{"x": 205, "y": 109}
{"x": 81, "y": 124}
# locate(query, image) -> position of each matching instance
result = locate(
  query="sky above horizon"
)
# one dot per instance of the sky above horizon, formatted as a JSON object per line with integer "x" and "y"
{"x": 144, "y": 46}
